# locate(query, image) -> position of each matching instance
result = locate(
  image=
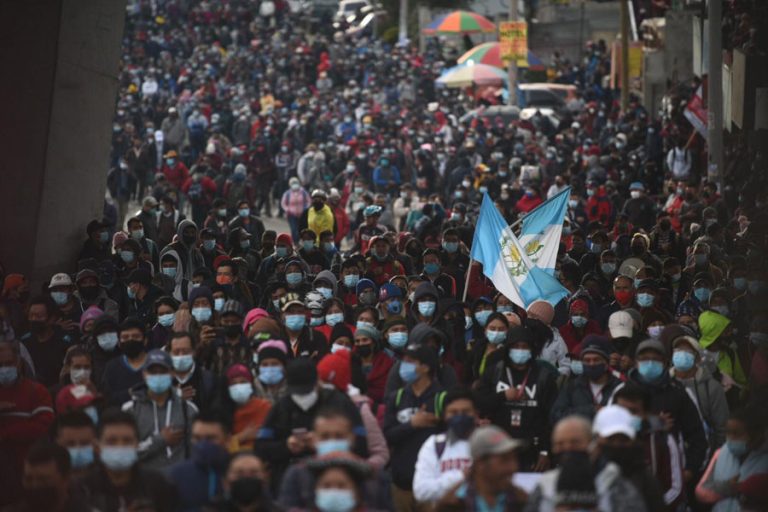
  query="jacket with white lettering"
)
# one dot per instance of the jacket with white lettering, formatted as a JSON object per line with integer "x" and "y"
{"x": 439, "y": 467}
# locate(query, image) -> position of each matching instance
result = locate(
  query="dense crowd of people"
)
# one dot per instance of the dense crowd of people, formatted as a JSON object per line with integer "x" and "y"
{"x": 194, "y": 360}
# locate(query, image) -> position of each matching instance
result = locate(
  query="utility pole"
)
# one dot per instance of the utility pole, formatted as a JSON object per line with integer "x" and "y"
{"x": 715, "y": 95}
{"x": 402, "y": 36}
{"x": 624, "y": 55}
{"x": 512, "y": 86}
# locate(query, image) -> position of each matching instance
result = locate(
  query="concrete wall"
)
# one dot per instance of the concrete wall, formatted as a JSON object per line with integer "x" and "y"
{"x": 60, "y": 62}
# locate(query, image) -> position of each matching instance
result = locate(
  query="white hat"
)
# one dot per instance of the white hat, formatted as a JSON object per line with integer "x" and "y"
{"x": 60, "y": 280}
{"x": 612, "y": 420}
{"x": 620, "y": 325}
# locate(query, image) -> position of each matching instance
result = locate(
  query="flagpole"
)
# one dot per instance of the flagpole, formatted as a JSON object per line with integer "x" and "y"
{"x": 511, "y": 227}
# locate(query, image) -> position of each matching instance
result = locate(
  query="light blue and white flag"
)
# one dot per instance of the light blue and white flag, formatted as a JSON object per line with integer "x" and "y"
{"x": 506, "y": 262}
{"x": 542, "y": 229}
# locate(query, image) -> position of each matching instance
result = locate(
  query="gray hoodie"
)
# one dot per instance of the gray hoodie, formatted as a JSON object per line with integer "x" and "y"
{"x": 709, "y": 396}
{"x": 151, "y": 419}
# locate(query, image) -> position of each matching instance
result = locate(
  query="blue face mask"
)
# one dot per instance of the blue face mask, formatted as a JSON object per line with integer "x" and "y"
{"x": 645, "y": 300}
{"x": 307, "y": 245}
{"x": 426, "y": 308}
{"x": 431, "y": 268}
{"x": 335, "y": 500}
{"x": 577, "y": 368}
{"x": 683, "y": 360}
{"x": 362, "y": 323}
{"x": 240, "y": 393}
{"x": 608, "y": 268}
{"x": 327, "y": 293}
{"x": 118, "y": 458}
{"x": 60, "y": 298}
{"x": 131, "y": 293}
{"x": 397, "y": 339}
{"x": 295, "y": 322}
{"x": 407, "y": 372}
{"x": 737, "y": 447}
{"x": 350, "y": 280}
{"x": 482, "y": 316}
{"x": 332, "y": 445}
{"x": 209, "y": 245}
{"x": 127, "y": 256}
{"x": 244, "y": 212}
{"x": 81, "y": 456}
{"x": 245, "y": 244}
{"x": 281, "y": 251}
{"x": 159, "y": 383}
{"x": 103, "y": 237}
{"x": 329, "y": 246}
{"x": 740, "y": 283}
{"x": 202, "y": 315}
{"x": 218, "y": 303}
{"x": 451, "y": 247}
{"x": 702, "y": 294}
{"x": 271, "y": 375}
{"x": 294, "y": 278}
{"x": 334, "y": 318}
{"x": 182, "y": 363}
{"x": 579, "y": 321}
{"x": 505, "y": 309}
{"x": 167, "y": 319}
{"x": 650, "y": 370}
{"x": 394, "y": 307}
{"x": 170, "y": 271}
{"x": 519, "y": 355}
{"x": 315, "y": 321}
{"x": 496, "y": 337}
{"x": 8, "y": 375}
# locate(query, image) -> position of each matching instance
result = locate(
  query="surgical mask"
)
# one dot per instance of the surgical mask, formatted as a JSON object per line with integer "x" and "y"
{"x": 307, "y": 245}
{"x": 482, "y": 189}
{"x": 218, "y": 303}
{"x": 81, "y": 456}
{"x": 332, "y": 445}
{"x": 572, "y": 203}
{"x": 182, "y": 363}
{"x": 596, "y": 248}
{"x": 118, "y": 458}
{"x": 505, "y": 309}
{"x": 107, "y": 341}
{"x": 608, "y": 268}
{"x": 683, "y": 360}
{"x": 737, "y": 447}
{"x": 316, "y": 321}
{"x": 329, "y": 246}
{"x": 327, "y": 293}
{"x": 305, "y": 401}
{"x": 294, "y": 278}
{"x": 245, "y": 244}
{"x": 202, "y": 315}
{"x": 723, "y": 310}
{"x": 127, "y": 256}
{"x": 482, "y": 316}
{"x": 336, "y": 347}
{"x": 281, "y": 251}
{"x": 519, "y": 355}
{"x": 427, "y": 308}
{"x": 244, "y": 212}
{"x": 702, "y": 294}
{"x": 467, "y": 323}
{"x": 167, "y": 319}
{"x": 170, "y": 272}
{"x": 579, "y": 321}
{"x": 740, "y": 283}
{"x": 350, "y": 280}
{"x": 334, "y": 318}
{"x": 654, "y": 331}
{"x": 635, "y": 194}
{"x": 577, "y": 367}
{"x": 60, "y": 298}
{"x": 159, "y": 383}
{"x": 645, "y": 300}
{"x": 79, "y": 375}
{"x": 650, "y": 370}
{"x": 137, "y": 234}
{"x": 451, "y": 247}
{"x": 362, "y": 323}
{"x": 222, "y": 212}
{"x": 8, "y": 375}
{"x": 407, "y": 372}
{"x": 295, "y": 322}
{"x": 335, "y": 500}
{"x": 675, "y": 278}
{"x": 496, "y": 337}
{"x": 240, "y": 393}
{"x": 103, "y": 237}
{"x": 397, "y": 339}
{"x": 700, "y": 259}
{"x": 271, "y": 375}
{"x": 131, "y": 293}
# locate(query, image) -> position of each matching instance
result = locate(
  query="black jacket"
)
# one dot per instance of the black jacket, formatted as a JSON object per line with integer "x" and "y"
{"x": 575, "y": 397}
{"x": 147, "y": 487}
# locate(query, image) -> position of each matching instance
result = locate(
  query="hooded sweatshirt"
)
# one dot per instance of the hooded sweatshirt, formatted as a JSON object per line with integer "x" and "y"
{"x": 190, "y": 257}
{"x": 709, "y": 396}
{"x": 181, "y": 284}
{"x": 711, "y": 326}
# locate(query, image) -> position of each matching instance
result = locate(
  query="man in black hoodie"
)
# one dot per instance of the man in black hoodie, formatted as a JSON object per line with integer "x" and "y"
{"x": 186, "y": 247}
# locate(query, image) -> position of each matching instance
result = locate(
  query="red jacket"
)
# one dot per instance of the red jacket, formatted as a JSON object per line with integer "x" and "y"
{"x": 526, "y": 204}
{"x": 342, "y": 223}
{"x": 176, "y": 175}
{"x": 209, "y": 189}
{"x": 572, "y": 338}
{"x": 599, "y": 207}
{"x": 377, "y": 377}
{"x": 380, "y": 272}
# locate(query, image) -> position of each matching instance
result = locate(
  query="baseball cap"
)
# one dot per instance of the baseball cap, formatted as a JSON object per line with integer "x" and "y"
{"x": 301, "y": 376}
{"x": 289, "y": 299}
{"x": 636, "y": 185}
{"x": 620, "y": 325}
{"x": 595, "y": 344}
{"x": 158, "y": 357}
{"x": 491, "y": 440}
{"x": 60, "y": 279}
{"x": 612, "y": 420}
{"x": 85, "y": 273}
{"x": 390, "y": 291}
{"x": 651, "y": 344}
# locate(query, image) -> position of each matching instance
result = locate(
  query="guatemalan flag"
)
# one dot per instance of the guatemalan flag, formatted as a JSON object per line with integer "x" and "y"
{"x": 507, "y": 263}
{"x": 542, "y": 229}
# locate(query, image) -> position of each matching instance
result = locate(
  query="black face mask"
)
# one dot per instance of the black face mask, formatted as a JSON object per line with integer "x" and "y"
{"x": 189, "y": 240}
{"x": 233, "y": 331}
{"x": 364, "y": 350}
{"x": 629, "y": 459}
{"x": 461, "y": 425}
{"x": 132, "y": 349}
{"x": 594, "y": 371}
{"x": 246, "y": 491}
{"x": 89, "y": 292}
{"x": 37, "y": 326}
{"x": 318, "y": 206}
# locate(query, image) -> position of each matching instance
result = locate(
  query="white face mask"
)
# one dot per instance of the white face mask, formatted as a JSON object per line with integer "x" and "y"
{"x": 305, "y": 402}
{"x": 79, "y": 375}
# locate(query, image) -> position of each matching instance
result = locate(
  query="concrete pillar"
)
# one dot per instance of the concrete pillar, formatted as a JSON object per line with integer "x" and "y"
{"x": 59, "y": 61}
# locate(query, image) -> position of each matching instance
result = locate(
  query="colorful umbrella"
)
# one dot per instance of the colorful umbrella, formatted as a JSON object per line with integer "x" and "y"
{"x": 468, "y": 74}
{"x": 460, "y": 22}
{"x": 488, "y": 53}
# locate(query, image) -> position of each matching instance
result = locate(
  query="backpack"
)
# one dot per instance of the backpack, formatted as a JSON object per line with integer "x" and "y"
{"x": 439, "y": 400}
